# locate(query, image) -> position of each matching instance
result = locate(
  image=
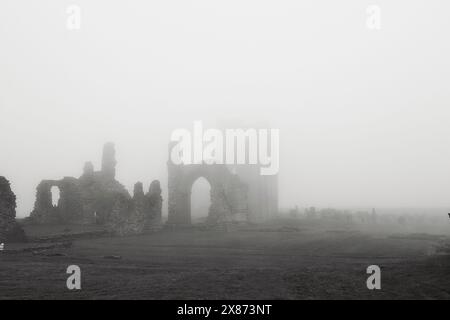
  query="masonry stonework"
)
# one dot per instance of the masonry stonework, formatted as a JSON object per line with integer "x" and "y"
{"x": 10, "y": 231}
{"x": 96, "y": 197}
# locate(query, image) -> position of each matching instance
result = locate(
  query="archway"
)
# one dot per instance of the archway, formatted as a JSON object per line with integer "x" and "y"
{"x": 200, "y": 200}
{"x": 228, "y": 193}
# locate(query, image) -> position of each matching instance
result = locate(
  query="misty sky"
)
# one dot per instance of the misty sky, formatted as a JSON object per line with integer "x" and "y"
{"x": 363, "y": 114}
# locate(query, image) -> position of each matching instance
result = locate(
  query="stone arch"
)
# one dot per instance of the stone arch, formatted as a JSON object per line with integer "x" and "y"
{"x": 228, "y": 194}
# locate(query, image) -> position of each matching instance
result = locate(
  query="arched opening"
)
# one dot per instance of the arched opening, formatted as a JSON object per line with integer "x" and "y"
{"x": 55, "y": 195}
{"x": 200, "y": 200}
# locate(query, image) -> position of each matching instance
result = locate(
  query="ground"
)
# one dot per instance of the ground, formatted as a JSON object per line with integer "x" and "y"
{"x": 279, "y": 260}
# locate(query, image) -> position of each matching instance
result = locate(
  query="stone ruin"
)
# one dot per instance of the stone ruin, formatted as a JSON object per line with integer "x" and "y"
{"x": 96, "y": 197}
{"x": 238, "y": 193}
{"x": 228, "y": 194}
{"x": 138, "y": 214}
{"x": 10, "y": 231}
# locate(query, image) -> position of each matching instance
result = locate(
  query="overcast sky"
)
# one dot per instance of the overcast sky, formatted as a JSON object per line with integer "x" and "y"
{"x": 363, "y": 114}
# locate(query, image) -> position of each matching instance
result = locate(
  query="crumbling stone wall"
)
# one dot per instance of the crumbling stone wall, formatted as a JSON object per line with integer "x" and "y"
{"x": 96, "y": 197}
{"x": 44, "y": 212}
{"x": 69, "y": 208}
{"x": 123, "y": 217}
{"x": 10, "y": 231}
{"x": 154, "y": 205}
{"x": 70, "y": 200}
{"x": 138, "y": 214}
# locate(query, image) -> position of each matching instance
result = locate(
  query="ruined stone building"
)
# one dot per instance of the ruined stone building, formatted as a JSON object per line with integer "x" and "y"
{"x": 10, "y": 231}
{"x": 238, "y": 192}
{"x": 228, "y": 193}
{"x": 96, "y": 197}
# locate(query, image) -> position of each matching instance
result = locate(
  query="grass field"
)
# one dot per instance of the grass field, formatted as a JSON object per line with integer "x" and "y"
{"x": 282, "y": 260}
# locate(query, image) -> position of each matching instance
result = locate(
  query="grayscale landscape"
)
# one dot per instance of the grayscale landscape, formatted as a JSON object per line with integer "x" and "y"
{"x": 230, "y": 150}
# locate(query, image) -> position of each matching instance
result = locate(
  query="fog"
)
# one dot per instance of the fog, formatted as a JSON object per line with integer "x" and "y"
{"x": 363, "y": 114}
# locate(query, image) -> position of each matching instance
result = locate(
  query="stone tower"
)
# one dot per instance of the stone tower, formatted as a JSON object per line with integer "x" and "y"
{"x": 109, "y": 161}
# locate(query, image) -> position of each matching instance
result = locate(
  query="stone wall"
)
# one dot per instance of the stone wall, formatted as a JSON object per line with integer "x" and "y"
{"x": 96, "y": 197}
{"x": 10, "y": 231}
{"x": 138, "y": 214}
{"x": 69, "y": 207}
{"x": 154, "y": 205}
